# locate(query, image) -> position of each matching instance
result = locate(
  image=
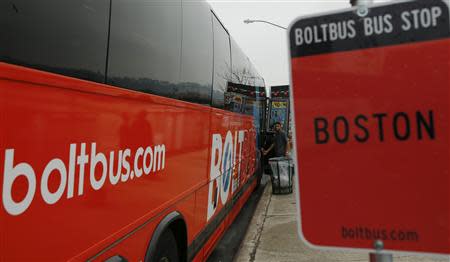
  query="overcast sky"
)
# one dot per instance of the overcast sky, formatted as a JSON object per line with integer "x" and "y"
{"x": 266, "y": 45}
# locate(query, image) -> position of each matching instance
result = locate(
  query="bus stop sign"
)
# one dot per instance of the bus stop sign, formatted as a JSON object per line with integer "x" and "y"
{"x": 370, "y": 94}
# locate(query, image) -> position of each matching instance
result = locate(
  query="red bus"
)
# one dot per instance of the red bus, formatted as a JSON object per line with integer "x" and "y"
{"x": 114, "y": 139}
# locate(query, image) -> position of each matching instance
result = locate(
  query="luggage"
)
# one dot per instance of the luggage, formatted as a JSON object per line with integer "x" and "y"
{"x": 282, "y": 172}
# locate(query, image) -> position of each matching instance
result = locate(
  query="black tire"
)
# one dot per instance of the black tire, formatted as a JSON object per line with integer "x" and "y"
{"x": 258, "y": 180}
{"x": 167, "y": 249}
{"x": 259, "y": 174}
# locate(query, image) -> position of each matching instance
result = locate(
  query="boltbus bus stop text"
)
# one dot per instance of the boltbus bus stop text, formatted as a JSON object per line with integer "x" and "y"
{"x": 401, "y": 126}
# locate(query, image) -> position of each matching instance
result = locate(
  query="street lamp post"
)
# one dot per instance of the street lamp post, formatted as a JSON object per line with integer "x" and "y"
{"x": 352, "y": 2}
{"x": 248, "y": 21}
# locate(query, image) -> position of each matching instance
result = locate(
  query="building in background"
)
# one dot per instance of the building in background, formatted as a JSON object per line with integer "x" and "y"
{"x": 278, "y": 109}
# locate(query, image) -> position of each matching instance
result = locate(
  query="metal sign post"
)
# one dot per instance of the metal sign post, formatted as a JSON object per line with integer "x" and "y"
{"x": 361, "y": 2}
{"x": 377, "y": 256}
{"x": 370, "y": 97}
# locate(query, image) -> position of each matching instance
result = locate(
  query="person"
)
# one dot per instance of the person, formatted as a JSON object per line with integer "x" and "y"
{"x": 290, "y": 144}
{"x": 280, "y": 142}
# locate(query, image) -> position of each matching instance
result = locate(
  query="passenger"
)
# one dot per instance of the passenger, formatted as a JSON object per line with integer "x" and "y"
{"x": 268, "y": 141}
{"x": 290, "y": 144}
{"x": 280, "y": 142}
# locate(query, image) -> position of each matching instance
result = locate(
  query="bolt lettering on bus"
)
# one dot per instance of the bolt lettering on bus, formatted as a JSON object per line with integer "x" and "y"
{"x": 223, "y": 160}
{"x": 143, "y": 162}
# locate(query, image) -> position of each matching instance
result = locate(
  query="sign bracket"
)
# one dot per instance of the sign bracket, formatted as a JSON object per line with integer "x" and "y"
{"x": 380, "y": 257}
{"x": 377, "y": 256}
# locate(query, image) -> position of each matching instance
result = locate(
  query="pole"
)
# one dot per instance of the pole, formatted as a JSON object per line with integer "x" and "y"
{"x": 361, "y": 2}
{"x": 362, "y": 6}
{"x": 374, "y": 257}
{"x": 377, "y": 256}
{"x": 248, "y": 21}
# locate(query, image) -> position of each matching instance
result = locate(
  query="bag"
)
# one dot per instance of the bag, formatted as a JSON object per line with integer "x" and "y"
{"x": 282, "y": 168}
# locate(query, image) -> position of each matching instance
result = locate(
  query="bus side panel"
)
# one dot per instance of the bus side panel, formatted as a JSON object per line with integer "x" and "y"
{"x": 229, "y": 150}
{"x": 134, "y": 247}
{"x": 67, "y": 136}
{"x": 216, "y": 193}
{"x": 217, "y": 235}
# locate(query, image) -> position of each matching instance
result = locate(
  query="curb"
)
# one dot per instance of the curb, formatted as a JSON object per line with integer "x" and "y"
{"x": 247, "y": 249}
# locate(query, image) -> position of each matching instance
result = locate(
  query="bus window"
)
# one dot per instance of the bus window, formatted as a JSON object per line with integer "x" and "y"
{"x": 64, "y": 37}
{"x": 145, "y": 46}
{"x": 197, "y": 53}
{"x": 222, "y": 65}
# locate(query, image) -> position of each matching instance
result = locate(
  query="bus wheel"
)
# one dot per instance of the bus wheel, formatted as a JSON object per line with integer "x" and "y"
{"x": 166, "y": 249}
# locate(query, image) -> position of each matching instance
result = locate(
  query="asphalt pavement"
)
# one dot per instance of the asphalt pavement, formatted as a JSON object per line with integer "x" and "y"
{"x": 266, "y": 231}
{"x": 228, "y": 246}
{"x": 272, "y": 237}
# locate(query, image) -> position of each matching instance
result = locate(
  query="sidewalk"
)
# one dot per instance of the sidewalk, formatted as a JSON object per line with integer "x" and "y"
{"x": 272, "y": 236}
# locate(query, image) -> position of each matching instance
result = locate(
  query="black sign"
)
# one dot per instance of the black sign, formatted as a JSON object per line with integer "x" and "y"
{"x": 251, "y": 91}
{"x": 376, "y": 26}
{"x": 279, "y": 91}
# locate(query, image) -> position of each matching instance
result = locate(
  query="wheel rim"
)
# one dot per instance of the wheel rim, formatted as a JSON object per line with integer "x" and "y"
{"x": 164, "y": 259}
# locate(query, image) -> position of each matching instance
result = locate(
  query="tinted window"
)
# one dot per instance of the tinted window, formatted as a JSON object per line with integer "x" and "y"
{"x": 257, "y": 79}
{"x": 241, "y": 65}
{"x": 66, "y": 37}
{"x": 222, "y": 65}
{"x": 145, "y": 46}
{"x": 247, "y": 86}
{"x": 197, "y": 52}
{"x": 243, "y": 70}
